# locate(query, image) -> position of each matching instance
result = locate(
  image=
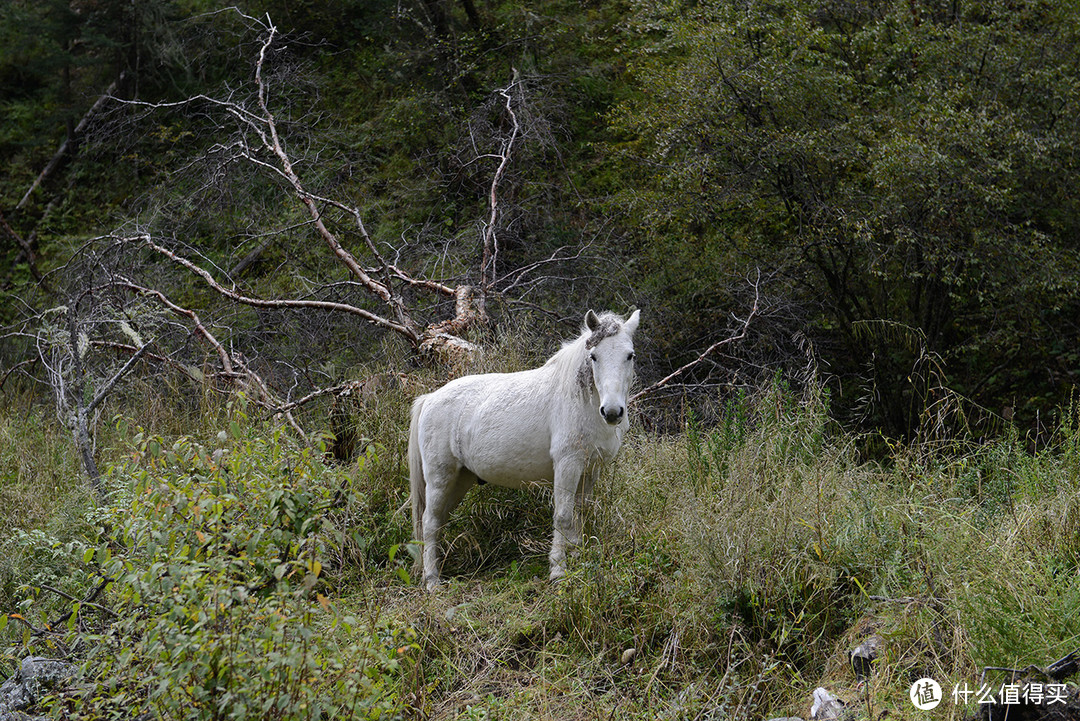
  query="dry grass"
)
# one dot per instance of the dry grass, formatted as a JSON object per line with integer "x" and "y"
{"x": 38, "y": 468}
{"x": 741, "y": 564}
{"x": 743, "y": 582}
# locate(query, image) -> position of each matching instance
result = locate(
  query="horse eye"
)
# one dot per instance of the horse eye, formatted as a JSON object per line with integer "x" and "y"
{"x": 630, "y": 357}
{"x": 592, "y": 357}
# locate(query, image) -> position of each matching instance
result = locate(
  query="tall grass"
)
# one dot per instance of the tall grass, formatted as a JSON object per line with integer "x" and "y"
{"x": 726, "y": 571}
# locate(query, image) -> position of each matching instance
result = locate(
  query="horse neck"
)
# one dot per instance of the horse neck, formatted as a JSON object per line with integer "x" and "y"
{"x": 570, "y": 371}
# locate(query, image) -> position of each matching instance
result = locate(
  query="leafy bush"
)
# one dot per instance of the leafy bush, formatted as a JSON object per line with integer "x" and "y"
{"x": 216, "y": 563}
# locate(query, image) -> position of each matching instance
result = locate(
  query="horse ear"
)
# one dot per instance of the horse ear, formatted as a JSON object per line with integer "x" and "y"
{"x": 591, "y": 321}
{"x": 632, "y": 322}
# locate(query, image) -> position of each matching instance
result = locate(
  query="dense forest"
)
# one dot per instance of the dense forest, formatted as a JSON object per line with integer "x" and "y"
{"x": 236, "y": 241}
{"x": 893, "y": 181}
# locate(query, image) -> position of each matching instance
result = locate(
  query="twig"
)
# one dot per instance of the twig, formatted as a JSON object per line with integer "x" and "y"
{"x": 127, "y": 348}
{"x": 708, "y": 351}
{"x": 488, "y": 238}
{"x": 88, "y": 601}
{"x": 515, "y": 277}
{"x": 27, "y": 250}
{"x": 272, "y": 303}
{"x": 313, "y": 395}
{"x": 271, "y": 403}
{"x": 1061, "y": 669}
{"x": 111, "y": 383}
{"x": 1065, "y": 666}
{"x": 15, "y": 367}
{"x": 226, "y": 361}
{"x": 54, "y": 162}
{"x": 886, "y": 599}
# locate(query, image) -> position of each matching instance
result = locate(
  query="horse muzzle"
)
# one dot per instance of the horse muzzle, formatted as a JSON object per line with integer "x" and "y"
{"x": 613, "y": 414}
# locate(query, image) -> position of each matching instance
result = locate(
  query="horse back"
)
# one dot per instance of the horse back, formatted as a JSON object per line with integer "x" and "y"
{"x": 498, "y": 426}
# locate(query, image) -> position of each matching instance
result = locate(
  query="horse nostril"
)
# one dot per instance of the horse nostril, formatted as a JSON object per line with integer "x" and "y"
{"x": 612, "y": 415}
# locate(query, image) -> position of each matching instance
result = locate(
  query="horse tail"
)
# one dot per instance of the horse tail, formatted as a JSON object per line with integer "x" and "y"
{"x": 417, "y": 485}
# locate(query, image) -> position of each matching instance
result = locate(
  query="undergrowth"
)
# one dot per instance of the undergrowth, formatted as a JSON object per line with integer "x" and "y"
{"x": 727, "y": 571}
{"x": 203, "y": 589}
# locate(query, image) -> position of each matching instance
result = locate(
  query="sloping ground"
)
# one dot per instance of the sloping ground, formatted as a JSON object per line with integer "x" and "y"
{"x": 727, "y": 573}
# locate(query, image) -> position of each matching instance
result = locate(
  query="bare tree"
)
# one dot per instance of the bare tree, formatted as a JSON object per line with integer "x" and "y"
{"x": 735, "y": 336}
{"x": 85, "y": 348}
{"x": 74, "y": 346}
{"x": 256, "y": 139}
{"x": 155, "y": 293}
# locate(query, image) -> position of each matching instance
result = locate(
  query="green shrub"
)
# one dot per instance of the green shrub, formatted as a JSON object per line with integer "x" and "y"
{"x": 217, "y": 605}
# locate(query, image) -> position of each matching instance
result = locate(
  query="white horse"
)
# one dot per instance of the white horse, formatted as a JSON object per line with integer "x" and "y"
{"x": 555, "y": 425}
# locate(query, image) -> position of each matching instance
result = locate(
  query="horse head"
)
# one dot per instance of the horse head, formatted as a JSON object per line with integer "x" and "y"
{"x": 610, "y": 361}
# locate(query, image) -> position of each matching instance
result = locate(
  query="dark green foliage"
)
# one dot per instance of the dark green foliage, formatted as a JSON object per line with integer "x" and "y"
{"x": 880, "y": 163}
{"x": 894, "y": 162}
{"x": 251, "y": 575}
{"x": 902, "y": 174}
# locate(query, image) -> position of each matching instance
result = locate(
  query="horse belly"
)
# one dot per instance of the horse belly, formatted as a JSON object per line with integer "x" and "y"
{"x": 506, "y": 441}
{"x": 507, "y": 459}
{"x": 498, "y": 426}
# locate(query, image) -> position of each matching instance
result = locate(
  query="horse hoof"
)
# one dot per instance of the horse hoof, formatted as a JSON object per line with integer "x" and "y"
{"x": 432, "y": 584}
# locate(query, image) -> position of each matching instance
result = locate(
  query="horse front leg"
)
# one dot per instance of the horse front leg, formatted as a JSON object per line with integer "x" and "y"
{"x": 568, "y": 474}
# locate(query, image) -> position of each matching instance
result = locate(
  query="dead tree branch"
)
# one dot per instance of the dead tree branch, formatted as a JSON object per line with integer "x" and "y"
{"x": 270, "y": 303}
{"x": 199, "y": 327}
{"x": 27, "y": 250}
{"x": 489, "y": 239}
{"x": 66, "y": 146}
{"x": 233, "y": 365}
{"x": 261, "y": 143}
{"x": 156, "y": 357}
{"x": 740, "y": 335}
{"x": 17, "y": 366}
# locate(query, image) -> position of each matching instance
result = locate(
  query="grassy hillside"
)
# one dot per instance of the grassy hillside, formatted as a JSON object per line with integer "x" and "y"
{"x": 891, "y": 448}
{"x": 251, "y": 577}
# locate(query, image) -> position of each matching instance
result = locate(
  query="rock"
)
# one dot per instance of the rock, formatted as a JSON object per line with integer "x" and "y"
{"x": 628, "y": 656}
{"x": 1022, "y": 707}
{"x": 864, "y": 655}
{"x": 13, "y": 695}
{"x": 35, "y": 677}
{"x": 826, "y": 706}
{"x": 20, "y": 716}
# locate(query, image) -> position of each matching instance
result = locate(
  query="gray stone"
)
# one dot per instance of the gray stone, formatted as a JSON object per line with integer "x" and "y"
{"x": 864, "y": 655}
{"x": 20, "y": 716}
{"x": 13, "y": 695}
{"x": 36, "y": 677}
{"x": 827, "y": 707}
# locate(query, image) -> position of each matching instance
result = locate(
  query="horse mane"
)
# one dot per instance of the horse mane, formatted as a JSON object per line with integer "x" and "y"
{"x": 570, "y": 360}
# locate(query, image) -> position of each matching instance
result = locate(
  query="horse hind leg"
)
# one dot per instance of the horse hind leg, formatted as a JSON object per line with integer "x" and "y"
{"x": 443, "y": 496}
